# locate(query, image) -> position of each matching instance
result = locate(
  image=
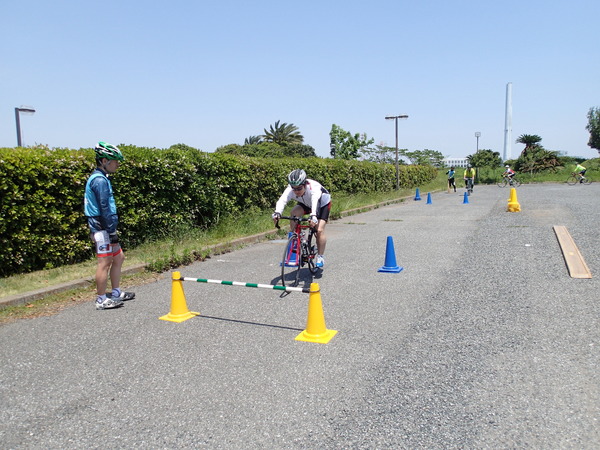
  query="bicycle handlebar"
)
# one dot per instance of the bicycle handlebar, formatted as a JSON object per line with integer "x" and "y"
{"x": 298, "y": 219}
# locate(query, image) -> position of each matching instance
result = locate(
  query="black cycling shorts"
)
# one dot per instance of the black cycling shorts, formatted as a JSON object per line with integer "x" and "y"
{"x": 322, "y": 212}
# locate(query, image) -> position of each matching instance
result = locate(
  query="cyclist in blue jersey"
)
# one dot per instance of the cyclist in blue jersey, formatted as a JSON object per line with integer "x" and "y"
{"x": 101, "y": 212}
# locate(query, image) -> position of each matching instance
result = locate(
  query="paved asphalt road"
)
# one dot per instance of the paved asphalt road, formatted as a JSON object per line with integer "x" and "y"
{"x": 482, "y": 341}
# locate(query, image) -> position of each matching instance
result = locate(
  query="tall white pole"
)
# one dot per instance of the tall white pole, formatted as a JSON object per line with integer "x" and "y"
{"x": 508, "y": 123}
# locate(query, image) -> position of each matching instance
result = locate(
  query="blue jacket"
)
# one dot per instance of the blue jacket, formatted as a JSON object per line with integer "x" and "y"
{"x": 99, "y": 203}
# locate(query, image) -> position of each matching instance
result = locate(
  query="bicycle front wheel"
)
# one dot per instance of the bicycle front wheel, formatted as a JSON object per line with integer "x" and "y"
{"x": 311, "y": 255}
{"x": 290, "y": 263}
{"x": 587, "y": 180}
{"x": 572, "y": 181}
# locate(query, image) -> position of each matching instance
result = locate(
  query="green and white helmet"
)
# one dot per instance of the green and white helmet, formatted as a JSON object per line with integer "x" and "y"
{"x": 296, "y": 177}
{"x": 108, "y": 151}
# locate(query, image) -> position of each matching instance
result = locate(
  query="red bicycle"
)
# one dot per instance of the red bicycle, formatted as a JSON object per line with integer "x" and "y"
{"x": 299, "y": 251}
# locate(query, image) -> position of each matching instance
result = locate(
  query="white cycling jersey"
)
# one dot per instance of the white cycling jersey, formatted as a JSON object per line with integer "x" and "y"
{"x": 314, "y": 197}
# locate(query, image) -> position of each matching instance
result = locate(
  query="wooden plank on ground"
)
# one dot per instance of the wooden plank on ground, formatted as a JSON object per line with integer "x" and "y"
{"x": 575, "y": 262}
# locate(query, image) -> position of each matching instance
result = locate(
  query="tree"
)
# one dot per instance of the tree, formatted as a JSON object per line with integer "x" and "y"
{"x": 485, "y": 158}
{"x": 345, "y": 145}
{"x": 381, "y": 154}
{"x": 253, "y": 140}
{"x": 530, "y": 141}
{"x": 538, "y": 159}
{"x": 593, "y": 127}
{"x": 183, "y": 147}
{"x": 300, "y": 151}
{"x": 424, "y": 157}
{"x": 269, "y": 150}
{"x": 283, "y": 134}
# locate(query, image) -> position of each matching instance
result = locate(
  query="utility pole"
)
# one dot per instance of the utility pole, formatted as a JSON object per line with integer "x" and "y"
{"x": 404, "y": 116}
{"x": 18, "y": 111}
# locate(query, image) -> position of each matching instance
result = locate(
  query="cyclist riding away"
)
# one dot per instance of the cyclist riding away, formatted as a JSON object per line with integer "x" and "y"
{"x": 312, "y": 199}
{"x": 469, "y": 176}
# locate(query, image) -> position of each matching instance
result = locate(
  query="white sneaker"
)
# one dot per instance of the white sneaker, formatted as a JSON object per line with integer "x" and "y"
{"x": 109, "y": 303}
{"x": 320, "y": 261}
{"x": 123, "y": 297}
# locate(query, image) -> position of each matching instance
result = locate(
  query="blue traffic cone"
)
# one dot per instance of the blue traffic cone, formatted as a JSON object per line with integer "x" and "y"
{"x": 417, "y": 195}
{"x": 429, "y": 198}
{"x": 466, "y": 199}
{"x": 390, "y": 258}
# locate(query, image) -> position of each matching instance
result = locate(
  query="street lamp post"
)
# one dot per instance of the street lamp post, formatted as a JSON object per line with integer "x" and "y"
{"x": 404, "y": 116}
{"x": 477, "y": 134}
{"x": 24, "y": 110}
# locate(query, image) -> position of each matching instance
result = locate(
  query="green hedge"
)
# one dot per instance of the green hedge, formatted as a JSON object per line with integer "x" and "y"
{"x": 41, "y": 195}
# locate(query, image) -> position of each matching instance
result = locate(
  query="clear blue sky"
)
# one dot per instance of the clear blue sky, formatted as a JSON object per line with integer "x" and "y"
{"x": 208, "y": 73}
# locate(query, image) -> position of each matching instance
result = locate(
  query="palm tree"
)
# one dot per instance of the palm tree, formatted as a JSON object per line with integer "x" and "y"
{"x": 252, "y": 140}
{"x": 530, "y": 141}
{"x": 283, "y": 134}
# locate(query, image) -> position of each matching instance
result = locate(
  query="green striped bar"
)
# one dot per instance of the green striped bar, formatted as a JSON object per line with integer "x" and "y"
{"x": 252, "y": 285}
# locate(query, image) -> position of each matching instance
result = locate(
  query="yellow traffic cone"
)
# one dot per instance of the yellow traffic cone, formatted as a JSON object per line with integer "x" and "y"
{"x": 316, "y": 331}
{"x": 513, "y": 203}
{"x": 179, "y": 310}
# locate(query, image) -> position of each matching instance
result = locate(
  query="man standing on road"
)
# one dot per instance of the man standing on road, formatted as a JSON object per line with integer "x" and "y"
{"x": 101, "y": 212}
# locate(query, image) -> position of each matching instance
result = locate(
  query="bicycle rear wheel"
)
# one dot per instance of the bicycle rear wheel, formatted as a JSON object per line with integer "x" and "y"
{"x": 290, "y": 263}
{"x": 502, "y": 182}
{"x": 572, "y": 180}
{"x": 515, "y": 182}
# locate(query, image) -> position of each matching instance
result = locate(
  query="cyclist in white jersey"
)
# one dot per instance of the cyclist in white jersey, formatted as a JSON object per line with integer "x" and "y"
{"x": 312, "y": 199}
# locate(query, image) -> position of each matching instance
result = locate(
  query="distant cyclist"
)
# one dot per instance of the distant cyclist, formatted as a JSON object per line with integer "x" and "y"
{"x": 469, "y": 176}
{"x": 312, "y": 199}
{"x": 581, "y": 171}
{"x": 508, "y": 172}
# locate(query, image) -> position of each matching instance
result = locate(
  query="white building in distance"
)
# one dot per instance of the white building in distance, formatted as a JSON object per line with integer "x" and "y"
{"x": 455, "y": 162}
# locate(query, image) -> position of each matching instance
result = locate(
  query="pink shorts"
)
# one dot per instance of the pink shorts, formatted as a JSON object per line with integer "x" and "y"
{"x": 103, "y": 246}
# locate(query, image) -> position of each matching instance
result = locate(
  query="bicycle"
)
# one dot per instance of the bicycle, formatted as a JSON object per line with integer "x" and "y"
{"x": 469, "y": 186}
{"x": 301, "y": 238}
{"x": 508, "y": 181}
{"x": 578, "y": 178}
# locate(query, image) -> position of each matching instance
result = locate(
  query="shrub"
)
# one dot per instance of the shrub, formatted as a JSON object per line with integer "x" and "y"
{"x": 157, "y": 191}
